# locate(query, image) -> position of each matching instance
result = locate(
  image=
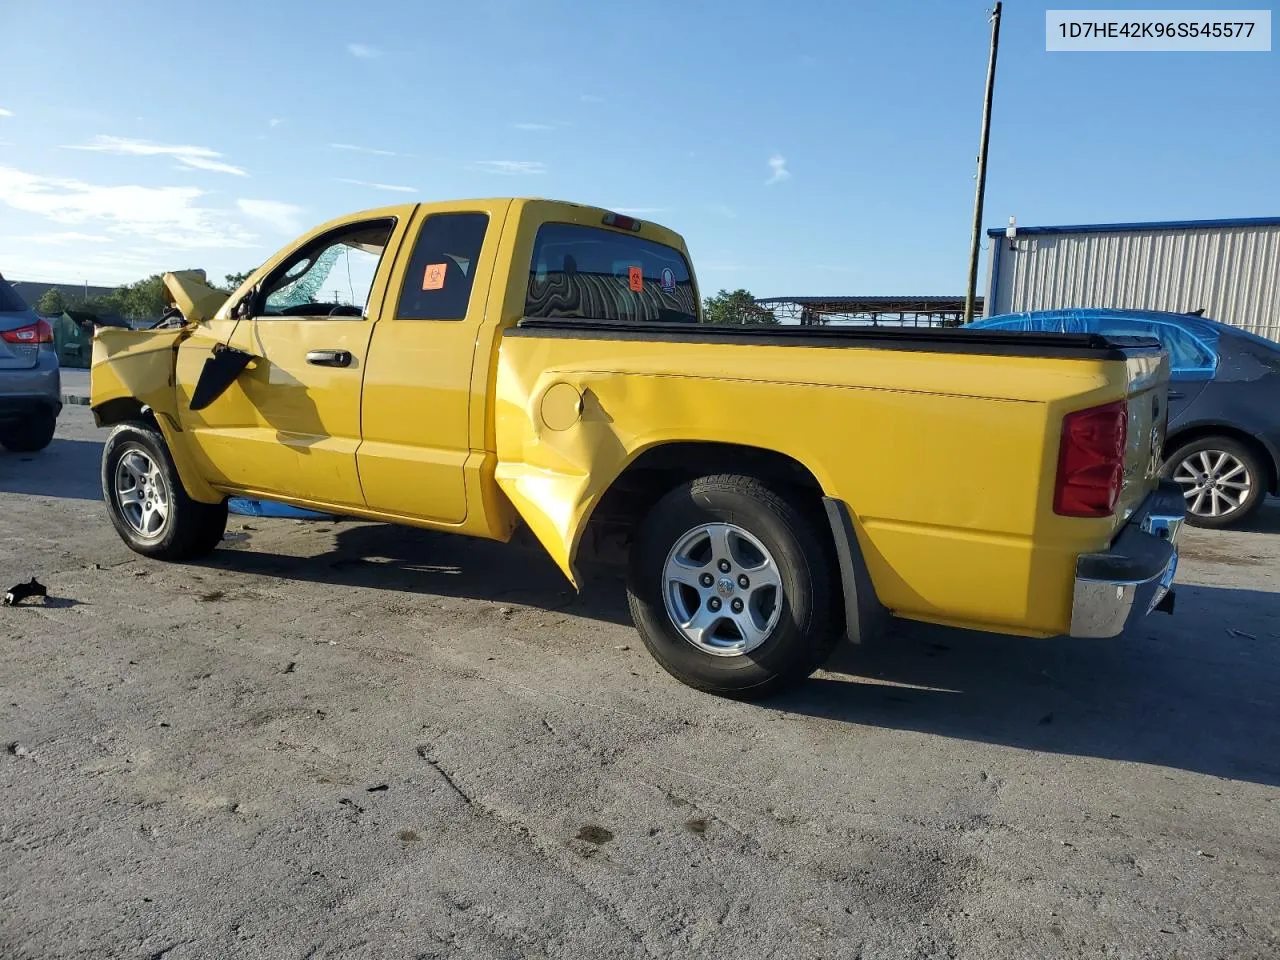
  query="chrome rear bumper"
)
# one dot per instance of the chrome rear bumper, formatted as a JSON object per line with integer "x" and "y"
{"x": 1135, "y": 575}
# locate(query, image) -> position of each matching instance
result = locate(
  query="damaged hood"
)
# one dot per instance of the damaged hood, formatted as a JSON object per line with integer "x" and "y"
{"x": 189, "y": 291}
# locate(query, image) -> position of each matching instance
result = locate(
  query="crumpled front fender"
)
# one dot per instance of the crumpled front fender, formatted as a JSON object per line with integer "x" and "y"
{"x": 134, "y": 369}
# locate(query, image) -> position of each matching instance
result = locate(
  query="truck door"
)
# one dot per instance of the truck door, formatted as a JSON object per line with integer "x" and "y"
{"x": 423, "y": 422}
{"x": 290, "y": 423}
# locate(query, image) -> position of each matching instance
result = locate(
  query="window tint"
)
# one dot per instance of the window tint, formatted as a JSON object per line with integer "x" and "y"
{"x": 1185, "y": 351}
{"x": 589, "y": 273}
{"x": 10, "y": 302}
{"x": 442, "y": 270}
{"x": 333, "y": 276}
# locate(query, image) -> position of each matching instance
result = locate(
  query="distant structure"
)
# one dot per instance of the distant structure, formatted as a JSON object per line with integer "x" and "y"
{"x": 868, "y": 311}
{"x": 1230, "y": 269}
{"x": 72, "y": 293}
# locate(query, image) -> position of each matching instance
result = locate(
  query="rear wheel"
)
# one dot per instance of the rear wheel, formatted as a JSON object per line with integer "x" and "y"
{"x": 148, "y": 506}
{"x": 1222, "y": 479}
{"x": 29, "y": 435}
{"x": 730, "y": 588}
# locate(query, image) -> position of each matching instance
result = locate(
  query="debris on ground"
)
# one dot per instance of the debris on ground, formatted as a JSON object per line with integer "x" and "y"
{"x": 1241, "y": 634}
{"x": 378, "y": 789}
{"x": 21, "y": 591}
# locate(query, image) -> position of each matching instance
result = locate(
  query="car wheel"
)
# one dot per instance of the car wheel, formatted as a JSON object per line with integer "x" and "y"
{"x": 730, "y": 588}
{"x": 1222, "y": 479}
{"x": 148, "y": 506}
{"x": 30, "y": 435}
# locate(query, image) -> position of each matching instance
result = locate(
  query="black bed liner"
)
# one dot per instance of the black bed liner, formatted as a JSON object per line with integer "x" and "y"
{"x": 1067, "y": 346}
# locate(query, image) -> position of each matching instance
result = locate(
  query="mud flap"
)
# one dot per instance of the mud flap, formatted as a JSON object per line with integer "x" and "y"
{"x": 220, "y": 371}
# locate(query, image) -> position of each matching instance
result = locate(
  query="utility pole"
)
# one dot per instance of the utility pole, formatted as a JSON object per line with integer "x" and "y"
{"x": 972, "y": 289}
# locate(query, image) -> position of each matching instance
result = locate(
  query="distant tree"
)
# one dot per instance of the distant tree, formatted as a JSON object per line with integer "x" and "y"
{"x": 233, "y": 280}
{"x": 98, "y": 306}
{"x": 738, "y": 307}
{"x": 51, "y": 303}
{"x": 141, "y": 300}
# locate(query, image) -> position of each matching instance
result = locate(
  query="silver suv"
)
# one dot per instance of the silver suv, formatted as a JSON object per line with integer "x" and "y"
{"x": 30, "y": 387}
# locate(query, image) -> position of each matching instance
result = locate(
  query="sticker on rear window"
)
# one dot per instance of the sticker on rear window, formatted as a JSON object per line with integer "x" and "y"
{"x": 433, "y": 277}
{"x": 636, "y": 276}
{"x": 668, "y": 280}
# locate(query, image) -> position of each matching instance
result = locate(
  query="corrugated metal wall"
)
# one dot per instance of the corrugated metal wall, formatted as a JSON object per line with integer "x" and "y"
{"x": 1233, "y": 272}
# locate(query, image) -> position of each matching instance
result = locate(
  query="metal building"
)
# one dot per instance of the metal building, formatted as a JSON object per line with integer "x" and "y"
{"x": 1228, "y": 268}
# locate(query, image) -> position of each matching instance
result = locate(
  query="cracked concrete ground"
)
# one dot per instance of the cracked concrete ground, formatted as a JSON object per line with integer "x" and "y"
{"x": 349, "y": 740}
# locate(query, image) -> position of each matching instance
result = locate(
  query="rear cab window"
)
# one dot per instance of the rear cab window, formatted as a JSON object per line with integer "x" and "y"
{"x": 592, "y": 273}
{"x": 441, "y": 272}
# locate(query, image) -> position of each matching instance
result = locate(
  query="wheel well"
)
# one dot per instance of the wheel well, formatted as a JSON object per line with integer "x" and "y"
{"x": 660, "y": 469}
{"x": 122, "y": 410}
{"x": 1192, "y": 434}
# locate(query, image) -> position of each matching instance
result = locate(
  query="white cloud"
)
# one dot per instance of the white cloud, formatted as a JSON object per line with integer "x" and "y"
{"x": 274, "y": 122}
{"x": 200, "y": 158}
{"x": 281, "y": 216}
{"x": 396, "y": 188}
{"x": 533, "y": 126}
{"x": 778, "y": 164}
{"x": 371, "y": 150}
{"x": 512, "y": 167}
{"x": 5, "y": 113}
{"x": 216, "y": 166}
{"x": 168, "y": 216}
{"x": 363, "y": 51}
{"x": 61, "y": 238}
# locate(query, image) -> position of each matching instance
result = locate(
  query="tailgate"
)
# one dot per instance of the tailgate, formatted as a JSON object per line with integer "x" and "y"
{"x": 1147, "y": 397}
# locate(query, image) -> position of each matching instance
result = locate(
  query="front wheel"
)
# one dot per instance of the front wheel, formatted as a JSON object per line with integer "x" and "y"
{"x": 1221, "y": 478}
{"x": 730, "y": 588}
{"x": 148, "y": 506}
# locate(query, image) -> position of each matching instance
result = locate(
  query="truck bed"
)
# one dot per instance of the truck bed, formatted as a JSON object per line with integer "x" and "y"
{"x": 1065, "y": 346}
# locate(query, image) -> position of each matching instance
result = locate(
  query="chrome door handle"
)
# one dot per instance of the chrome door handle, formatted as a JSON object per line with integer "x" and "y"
{"x": 329, "y": 358}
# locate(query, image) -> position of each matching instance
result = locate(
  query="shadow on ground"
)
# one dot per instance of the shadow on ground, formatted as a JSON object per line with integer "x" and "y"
{"x": 66, "y": 469}
{"x": 1198, "y": 691}
{"x": 1266, "y": 520}
{"x": 387, "y": 557}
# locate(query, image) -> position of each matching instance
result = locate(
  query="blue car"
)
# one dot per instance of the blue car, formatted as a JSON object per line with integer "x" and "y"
{"x": 1223, "y": 444}
{"x": 30, "y": 381}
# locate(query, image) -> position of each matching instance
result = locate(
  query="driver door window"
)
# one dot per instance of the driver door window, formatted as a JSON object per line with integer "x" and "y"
{"x": 332, "y": 277}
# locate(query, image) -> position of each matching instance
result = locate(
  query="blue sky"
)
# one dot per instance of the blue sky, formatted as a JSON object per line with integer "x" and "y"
{"x": 806, "y": 148}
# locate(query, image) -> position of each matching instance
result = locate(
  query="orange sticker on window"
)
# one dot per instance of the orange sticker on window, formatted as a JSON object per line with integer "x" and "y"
{"x": 433, "y": 277}
{"x": 636, "y": 276}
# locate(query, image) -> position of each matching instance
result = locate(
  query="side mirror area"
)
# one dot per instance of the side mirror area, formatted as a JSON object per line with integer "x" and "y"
{"x": 244, "y": 307}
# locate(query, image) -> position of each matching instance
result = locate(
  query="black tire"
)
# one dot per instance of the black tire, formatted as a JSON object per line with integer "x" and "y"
{"x": 30, "y": 435}
{"x": 804, "y": 633}
{"x": 190, "y": 530}
{"x": 1253, "y": 464}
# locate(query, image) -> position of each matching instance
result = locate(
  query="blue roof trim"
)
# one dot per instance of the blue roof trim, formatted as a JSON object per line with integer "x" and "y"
{"x": 1151, "y": 225}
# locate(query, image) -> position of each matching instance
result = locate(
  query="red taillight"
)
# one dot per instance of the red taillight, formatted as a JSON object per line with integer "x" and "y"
{"x": 621, "y": 222}
{"x": 1091, "y": 461}
{"x": 38, "y": 332}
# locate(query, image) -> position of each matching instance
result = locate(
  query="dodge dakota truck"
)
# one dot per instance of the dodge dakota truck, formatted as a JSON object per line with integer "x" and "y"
{"x": 479, "y": 366}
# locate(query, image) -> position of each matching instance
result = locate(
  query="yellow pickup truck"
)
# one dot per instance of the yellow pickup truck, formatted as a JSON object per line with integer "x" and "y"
{"x": 476, "y": 366}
